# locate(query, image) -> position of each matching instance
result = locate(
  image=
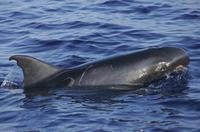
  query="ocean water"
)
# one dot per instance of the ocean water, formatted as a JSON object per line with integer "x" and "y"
{"x": 68, "y": 33}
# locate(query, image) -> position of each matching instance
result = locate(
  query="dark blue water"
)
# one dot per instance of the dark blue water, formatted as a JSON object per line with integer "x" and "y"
{"x": 68, "y": 33}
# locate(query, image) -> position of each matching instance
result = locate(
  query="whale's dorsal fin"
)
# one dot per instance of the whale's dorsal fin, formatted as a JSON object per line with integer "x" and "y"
{"x": 34, "y": 70}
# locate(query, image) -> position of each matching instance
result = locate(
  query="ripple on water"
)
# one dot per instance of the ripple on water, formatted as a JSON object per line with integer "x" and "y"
{"x": 114, "y": 3}
{"x": 193, "y": 15}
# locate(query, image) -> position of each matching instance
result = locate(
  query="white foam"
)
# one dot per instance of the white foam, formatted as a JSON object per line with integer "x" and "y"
{"x": 14, "y": 78}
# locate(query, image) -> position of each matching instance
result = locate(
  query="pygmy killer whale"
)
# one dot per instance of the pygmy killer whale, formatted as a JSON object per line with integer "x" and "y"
{"x": 130, "y": 69}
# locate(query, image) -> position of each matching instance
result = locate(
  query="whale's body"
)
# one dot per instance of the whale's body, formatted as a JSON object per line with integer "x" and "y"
{"x": 131, "y": 69}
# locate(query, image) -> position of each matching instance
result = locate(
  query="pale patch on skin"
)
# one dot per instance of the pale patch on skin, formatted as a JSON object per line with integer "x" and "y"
{"x": 79, "y": 82}
{"x": 142, "y": 72}
{"x": 162, "y": 66}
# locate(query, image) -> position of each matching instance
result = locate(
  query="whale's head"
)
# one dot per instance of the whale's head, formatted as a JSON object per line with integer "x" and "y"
{"x": 157, "y": 62}
{"x": 171, "y": 58}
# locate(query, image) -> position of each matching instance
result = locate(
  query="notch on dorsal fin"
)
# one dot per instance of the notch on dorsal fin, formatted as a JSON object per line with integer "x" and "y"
{"x": 34, "y": 70}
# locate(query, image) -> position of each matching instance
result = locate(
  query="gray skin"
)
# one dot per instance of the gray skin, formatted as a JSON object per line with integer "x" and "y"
{"x": 131, "y": 69}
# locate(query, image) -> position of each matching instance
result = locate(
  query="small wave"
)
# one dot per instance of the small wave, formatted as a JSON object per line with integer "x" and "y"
{"x": 79, "y": 24}
{"x": 34, "y": 45}
{"x": 145, "y": 10}
{"x": 114, "y": 3}
{"x": 187, "y": 104}
{"x": 23, "y": 15}
{"x": 56, "y": 26}
{"x": 74, "y": 60}
{"x": 190, "y": 41}
{"x": 145, "y": 34}
{"x": 46, "y": 26}
{"x": 51, "y": 42}
{"x": 122, "y": 48}
{"x": 110, "y": 26}
{"x": 85, "y": 46}
{"x": 188, "y": 16}
{"x": 194, "y": 15}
